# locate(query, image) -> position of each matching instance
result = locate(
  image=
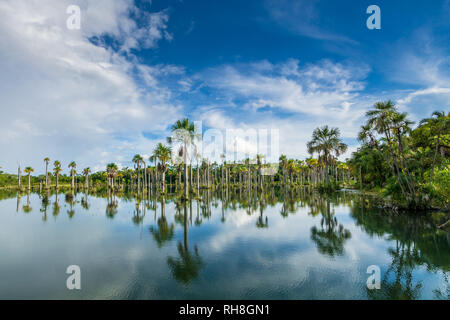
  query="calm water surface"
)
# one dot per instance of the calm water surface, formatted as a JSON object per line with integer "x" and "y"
{"x": 230, "y": 245}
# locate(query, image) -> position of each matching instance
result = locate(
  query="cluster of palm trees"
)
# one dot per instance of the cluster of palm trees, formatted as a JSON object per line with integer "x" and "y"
{"x": 188, "y": 160}
{"x": 387, "y": 131}
{"x": 57, "y": 169}
{"x": 326, "y": 142}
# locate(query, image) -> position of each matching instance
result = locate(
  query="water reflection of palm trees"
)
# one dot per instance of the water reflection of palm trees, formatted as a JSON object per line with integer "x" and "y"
{"x": 415, "y": 243}
{"x": 397, "y": 282}
{"x": 85, "y": 200}
{"x": 27, "y": 207}
{"x": 331, "y": 236}
{"x": 70, "y": 197}
{"x": 187, "y": 265}
{"x": 56, "y": 207}
{"x": 139, "y": 212}
{"x": 261, "y": 222}
{"x": 111, "y": 205}
{"x": 415, "y": 240}
{"x": 45, "y": 204}
{"x": 165, "y": 232}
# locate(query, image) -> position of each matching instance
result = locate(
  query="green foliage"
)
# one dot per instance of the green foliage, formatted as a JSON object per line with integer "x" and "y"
{"x": 442, "y": 184}
{"x": 329, "y": 187}
{"x": 411, "y": 166}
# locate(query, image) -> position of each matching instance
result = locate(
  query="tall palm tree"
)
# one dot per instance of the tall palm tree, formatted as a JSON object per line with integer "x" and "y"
{"x": 164, "y": 154}
{"x": 72, "y": 167}
{"x": 283, "y": 164}
{"x": 57, "y": 170}
{"x": 183, "y": 131}
{"x": 247, "y": 162}
{"x": 19, "y": 177}
{"x": 259, "y": 159}
{"x": 29, "y": 170}
{"x": 385, "y": 120}
{"x": 86, "y": 172}
{"x": 46, "y": 160}
{"x": 326, "y": 142}
{"x": 138, "y": 160}
{"x": 111, "y": 170}
{"x": 438, "y": 122}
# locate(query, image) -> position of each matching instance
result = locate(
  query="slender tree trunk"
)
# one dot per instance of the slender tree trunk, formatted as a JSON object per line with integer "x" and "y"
{"x": 46, "y": 174}
{"x": 19, "y": 178}
{"x": 163, "y": 182}
{"x": 185, "y": 172}
{"x": 138, "y": 178}
{"x": 360, "y": 178}
{"x": 198, "y": 179}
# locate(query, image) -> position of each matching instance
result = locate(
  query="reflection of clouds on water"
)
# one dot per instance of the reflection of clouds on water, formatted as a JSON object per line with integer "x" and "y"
{"x": 239, "y": 218}
{"x": 120, "y": 259}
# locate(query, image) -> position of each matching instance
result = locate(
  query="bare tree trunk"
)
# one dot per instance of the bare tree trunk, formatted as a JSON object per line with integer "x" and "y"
{"x": 185, "y": 172}
{"x": 46, "y": 174}
{"x": 19, "y": 178}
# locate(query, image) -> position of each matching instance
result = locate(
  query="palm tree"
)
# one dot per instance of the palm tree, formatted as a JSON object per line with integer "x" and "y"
{"x": 19, "y": 177}
{"x": 138, "y": 160}
{"x": 72, "y": 167}
{"x": 183, "y": 132}
{"x": 29, "y": 170}
{"x": 164, "y": 154}
{"x": 259, "y": 158}
{"x": 247, "y": 163}
{"x": 326, "y": 142}
{"x": 86, "y": 172}
{"x": 57, "y": 170}
{"x": 283, "y": 163}
{"x": 438, "y": 122}
{"x": 46, "y": 160}
{"x": 111, "y": 171}
{"x": 385, "y": 120}
{"x": 154, "y": 158}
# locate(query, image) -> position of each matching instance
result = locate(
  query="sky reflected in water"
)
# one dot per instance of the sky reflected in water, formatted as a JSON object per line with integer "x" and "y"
{"x": 229, "y": 245}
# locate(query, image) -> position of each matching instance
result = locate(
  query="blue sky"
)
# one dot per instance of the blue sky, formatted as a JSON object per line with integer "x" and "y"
{"x": 112, "y": 88}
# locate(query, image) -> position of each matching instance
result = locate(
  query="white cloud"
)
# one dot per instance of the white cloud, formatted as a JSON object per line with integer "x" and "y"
{"x": 303, "y": 18}
{"x": 315, "y": 89}
{"x": 256, "y": 95}
{"x": 64, "y": 96}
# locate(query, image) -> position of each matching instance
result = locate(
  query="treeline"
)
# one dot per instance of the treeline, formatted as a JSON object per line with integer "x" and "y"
{"x": 410, "y": 167}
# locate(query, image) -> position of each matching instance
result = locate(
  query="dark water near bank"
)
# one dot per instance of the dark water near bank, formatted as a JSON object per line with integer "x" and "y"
{"x": 229, "y": 245}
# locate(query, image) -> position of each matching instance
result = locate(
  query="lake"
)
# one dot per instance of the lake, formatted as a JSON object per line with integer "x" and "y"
{"x": 232, "y": 244}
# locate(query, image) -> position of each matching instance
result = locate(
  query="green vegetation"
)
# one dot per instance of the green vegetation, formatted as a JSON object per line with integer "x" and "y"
{"x": 408, "y": 167}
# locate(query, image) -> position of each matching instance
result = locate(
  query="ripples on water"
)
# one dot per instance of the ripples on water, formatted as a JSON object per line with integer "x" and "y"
{"x": 292, "y": 244}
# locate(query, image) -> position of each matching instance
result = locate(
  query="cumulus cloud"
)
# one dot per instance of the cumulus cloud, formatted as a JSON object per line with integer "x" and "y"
{"x": 289, "y": 97}
{"x": 67, "y": 96}
{"x": 313, "y": 89}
